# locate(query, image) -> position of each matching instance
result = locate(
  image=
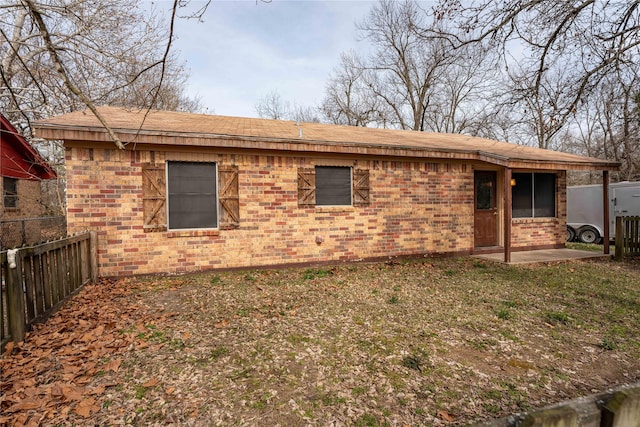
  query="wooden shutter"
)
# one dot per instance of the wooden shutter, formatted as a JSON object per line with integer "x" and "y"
{"x": 361, "y": 187}
{"x": 228, "y": 197}
{"x": 154, "y": 195}
{"x": 306, "y": 187}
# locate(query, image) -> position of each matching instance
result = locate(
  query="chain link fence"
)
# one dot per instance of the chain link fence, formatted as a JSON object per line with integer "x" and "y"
{"x": 15, "y": 233}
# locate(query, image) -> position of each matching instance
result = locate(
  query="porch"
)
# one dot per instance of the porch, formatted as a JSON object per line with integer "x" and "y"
{"x": 543, "y": 255}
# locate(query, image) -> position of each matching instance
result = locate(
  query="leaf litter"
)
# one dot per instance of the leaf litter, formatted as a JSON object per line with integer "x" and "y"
{"x": 432, "y": 342}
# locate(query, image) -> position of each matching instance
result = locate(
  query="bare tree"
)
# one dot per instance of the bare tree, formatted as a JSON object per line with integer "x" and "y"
{"x": 609, "y": 126}
{"x": 566, "y": 50}
{"x": 348, "y": 100}
{"x": 464, "y": 93}
{"x": 61, "y": 56}
{"x": 305, "y": 113}
{"x": 410, "y": 81}
{"x": 404, "y": 67}
{"x": 272, "y": 106}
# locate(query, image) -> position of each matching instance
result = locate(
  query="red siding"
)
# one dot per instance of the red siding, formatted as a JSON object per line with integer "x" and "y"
{"x": 17, "y": 158}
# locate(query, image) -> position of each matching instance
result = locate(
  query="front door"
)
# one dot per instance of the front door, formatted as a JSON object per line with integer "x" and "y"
{"x": 485, "y": 210}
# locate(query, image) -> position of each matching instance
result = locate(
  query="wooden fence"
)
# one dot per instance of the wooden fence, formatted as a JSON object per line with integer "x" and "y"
{"x": 627, "y": 236}
{"x": 36, "y": 280}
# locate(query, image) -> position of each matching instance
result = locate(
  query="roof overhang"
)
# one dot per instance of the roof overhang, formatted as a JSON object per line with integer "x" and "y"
{"x": 19, "y": 159}
{"x": 313, "y": 138}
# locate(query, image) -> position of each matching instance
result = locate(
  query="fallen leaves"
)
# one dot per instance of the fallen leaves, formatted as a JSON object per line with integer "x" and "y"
{"x": 277, "y": 347}
{"x": 220, "y": 325}
{"x": 113, "y": 365}
{"x": 86, "y": 407}
{"x": 25, "y": 405}
{"x": 48, "y": 376}
{"x": 446, "y": 416}
{"x": 151, "y": 383}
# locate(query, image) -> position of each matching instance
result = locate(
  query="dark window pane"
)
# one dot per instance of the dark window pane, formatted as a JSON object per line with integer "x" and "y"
{"x": 544, "y": 194}
{"x": 192, "y": 195}
{"x": 522, "y": 196}
{"x": 484, "y": 190}
{"x": 333, "y": 185}
{"x": 10, "y": 189}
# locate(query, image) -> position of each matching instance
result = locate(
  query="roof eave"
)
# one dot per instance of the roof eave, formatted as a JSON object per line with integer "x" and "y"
{"x": 153, "y": 137}
{"x": 44, "y": 170}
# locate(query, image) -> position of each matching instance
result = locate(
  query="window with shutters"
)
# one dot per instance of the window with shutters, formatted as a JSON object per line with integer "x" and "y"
{"x": 192, "y": 195}
{"x": 333, "y": 186}
{"x": 197, "y": 195}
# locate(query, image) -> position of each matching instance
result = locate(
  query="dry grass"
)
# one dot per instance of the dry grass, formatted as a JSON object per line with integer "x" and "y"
{"x": 430, "y": 342}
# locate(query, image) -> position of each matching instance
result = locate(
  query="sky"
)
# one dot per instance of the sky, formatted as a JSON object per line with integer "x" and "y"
{"x": 244, "y": 50}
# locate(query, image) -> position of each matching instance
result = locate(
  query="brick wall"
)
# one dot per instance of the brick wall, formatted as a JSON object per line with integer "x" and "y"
{"x": 416, "y": 208}
{"x": 30, "y": 203}
{"x": 544, "y": 232}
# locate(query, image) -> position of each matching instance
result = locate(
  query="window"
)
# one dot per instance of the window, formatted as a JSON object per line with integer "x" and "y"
{"x": 333, "y": 186}
{"x": 10, "y": 192}
{"x": 193, "y": 195}
{"x": 534, "y": 195}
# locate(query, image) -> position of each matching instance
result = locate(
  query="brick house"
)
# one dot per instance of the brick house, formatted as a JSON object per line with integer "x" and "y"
{"x": 195, "y": 192}
{"x": 22, "y": 171}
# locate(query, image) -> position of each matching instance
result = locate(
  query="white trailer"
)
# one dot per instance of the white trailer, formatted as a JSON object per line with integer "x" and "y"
{"x": 585, "y": 221}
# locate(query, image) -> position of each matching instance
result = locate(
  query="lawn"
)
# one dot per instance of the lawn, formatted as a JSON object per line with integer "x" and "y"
{"x": 426, "y": 342}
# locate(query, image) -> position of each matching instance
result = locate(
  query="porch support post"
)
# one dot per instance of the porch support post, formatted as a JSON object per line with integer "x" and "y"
{"x": 605, "y": 212}
{"x": 507, "y": 214}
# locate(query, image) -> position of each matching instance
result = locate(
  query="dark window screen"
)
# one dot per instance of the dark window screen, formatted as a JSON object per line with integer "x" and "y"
{"x": 522, "y": 196}
{"x": 333, "y": 185}
{"x": 192, "y": 195}
{"x": 10, "y": 189}
{"x": 544, "y": 195}
{"x": 534, "y": 195}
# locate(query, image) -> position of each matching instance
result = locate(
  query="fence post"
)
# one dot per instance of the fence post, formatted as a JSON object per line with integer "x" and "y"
{"x": 24, "y": 232}
{"x": 15, "y": 296}
{"x": 619, "y": 238}
{"x": 93, "y": 253}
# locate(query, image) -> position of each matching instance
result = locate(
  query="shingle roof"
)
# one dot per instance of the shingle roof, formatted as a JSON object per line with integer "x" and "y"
{"x": 186, "y": 129}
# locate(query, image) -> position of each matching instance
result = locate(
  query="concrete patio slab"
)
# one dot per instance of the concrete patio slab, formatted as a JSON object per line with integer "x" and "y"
{"x": 546, "y": 255}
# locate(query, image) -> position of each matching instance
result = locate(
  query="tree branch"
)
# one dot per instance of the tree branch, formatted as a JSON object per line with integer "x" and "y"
{"x": 37, "y": 16}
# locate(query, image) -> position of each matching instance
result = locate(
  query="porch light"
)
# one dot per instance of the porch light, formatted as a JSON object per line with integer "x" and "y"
{"x": 513, "y": 182}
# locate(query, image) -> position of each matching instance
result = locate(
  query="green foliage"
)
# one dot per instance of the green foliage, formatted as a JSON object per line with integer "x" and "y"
{"x": 608, "y": 344}
{"x": 414, "y": 361}
{"x": 368, "y": 420}
{"x": 313, "y": 273}
{"x": 218, "y": 352}
{"x": 556, "y": 317}
{"x": 504, "y": 314}
{"x": 141, "y": 391}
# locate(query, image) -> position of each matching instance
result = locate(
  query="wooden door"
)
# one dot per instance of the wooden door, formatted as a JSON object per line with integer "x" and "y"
{"x": 485, "y": 209}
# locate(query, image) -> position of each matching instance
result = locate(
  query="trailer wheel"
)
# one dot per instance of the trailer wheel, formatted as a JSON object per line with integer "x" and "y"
{"x": 571, "y": 234}
{"x": 588, "y": 235}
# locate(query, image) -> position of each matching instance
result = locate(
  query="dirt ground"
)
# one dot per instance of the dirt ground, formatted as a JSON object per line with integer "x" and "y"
{"x": 427, "y": 342}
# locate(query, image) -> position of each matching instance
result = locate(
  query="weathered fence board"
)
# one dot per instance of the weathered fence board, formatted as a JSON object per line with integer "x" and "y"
{"x": 627, "y": 236}
{"x": 5, "y": 335}
{"x": 44, "y": 276}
